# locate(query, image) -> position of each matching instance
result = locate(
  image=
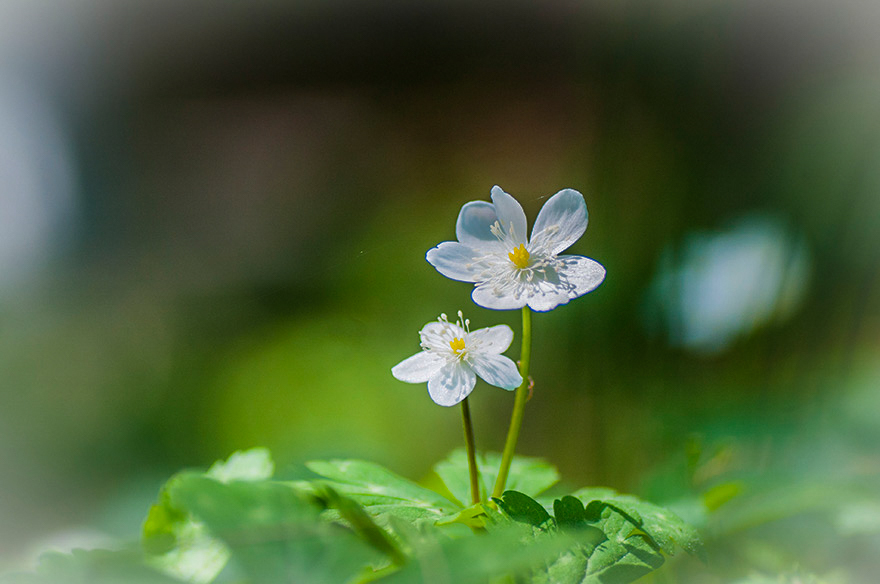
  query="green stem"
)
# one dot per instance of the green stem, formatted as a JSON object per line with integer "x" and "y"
{"x": 519, "y": 403}
{"x": 471, "y": 450}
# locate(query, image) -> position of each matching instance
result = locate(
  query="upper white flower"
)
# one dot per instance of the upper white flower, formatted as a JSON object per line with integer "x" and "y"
{"x": 453, "y": 356}
{"x": 511, "y": 271}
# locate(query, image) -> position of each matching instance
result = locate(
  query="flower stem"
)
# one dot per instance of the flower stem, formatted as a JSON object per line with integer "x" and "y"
{"x": 471, "y": 450}
{"x": 519, "y": 402}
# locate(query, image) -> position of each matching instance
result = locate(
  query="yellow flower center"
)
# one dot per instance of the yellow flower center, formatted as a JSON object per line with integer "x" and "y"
{"x": 520, "y": 257}
{"x": 457, "y": 345}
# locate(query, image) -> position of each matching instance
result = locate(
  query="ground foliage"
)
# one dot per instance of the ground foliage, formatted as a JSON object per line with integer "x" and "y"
{"x": 359, "y": 522}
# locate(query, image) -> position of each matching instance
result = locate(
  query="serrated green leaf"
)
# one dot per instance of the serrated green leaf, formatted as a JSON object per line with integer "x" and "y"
{"x": 622, "y": 562}
{"x": 381, "y": 491}
{"x": 475, "y": 559}
{"x": 180, "y": 546}
{"x": 522, "y": 508}
{"x": 660, "y": 524}
{"x": 273, "y": 533}
{"x": 528, "y": 475}
{"x": 355, "y": 515}
{"x": 610, "y": 550}
{"x": 626, "y": 541}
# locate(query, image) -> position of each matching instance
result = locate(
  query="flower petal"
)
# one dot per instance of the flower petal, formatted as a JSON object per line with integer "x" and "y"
{"x": 510, "y": 215}
{"x": 451, "y": 384}
{"x": 455, "y": 260}
{"x": 547, "y": 295}
{"x": 561, "y": 221}
{"x": 485, "y": 295}
{"x": 497, "y": 370}
{"x": 419, "y": 368}
{"x": 473, "y": 227}
{"x": 583, "y": 274}
{"x": 495, "y": 339}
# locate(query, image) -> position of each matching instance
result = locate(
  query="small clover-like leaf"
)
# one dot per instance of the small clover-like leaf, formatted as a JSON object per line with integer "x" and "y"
{"x": 522, "y": 508}
{"x": 569, "y": 512}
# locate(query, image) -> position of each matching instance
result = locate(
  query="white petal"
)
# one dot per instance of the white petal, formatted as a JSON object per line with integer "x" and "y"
{"x": 583, "y": 274}
{"x": 419, "y": 368}
{"x": 451, "y": 384}
{"x": 497, "y": 370}
{"x": 485, "y": 296}
{"x": 494, "y": 339}
{"x": 473, "y": 226}
{"x": 547, "y": 296}
{"x": 510, "y": 215}
{"x": 561, "y": 221}
{"x": 454, "y": 260}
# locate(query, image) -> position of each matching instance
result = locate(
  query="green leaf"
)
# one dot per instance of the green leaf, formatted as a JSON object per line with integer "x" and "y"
{"x": 620, "y": 538}
{"x": 161, "y": 525}
{"x": 474, "y": 559}
{"x": 474, "y": 516}
{"x": 569, "y": 512}
{"x": 524, "y": 509}
{"x": 610, "y": 550}
{"x": 180, "y": 545}
{"x": 381, "y": 491}
{"x": 528, "y": 475}
{"x": 661, "y": 525}
{"x": 274, "y": 534}
{"x": 363, "y": 525}
{"x": 245, "y": 465}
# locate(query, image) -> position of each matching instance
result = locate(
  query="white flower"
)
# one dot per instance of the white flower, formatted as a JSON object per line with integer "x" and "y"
{"x": 453, "y": 356}
{"x": 511, "y": 271}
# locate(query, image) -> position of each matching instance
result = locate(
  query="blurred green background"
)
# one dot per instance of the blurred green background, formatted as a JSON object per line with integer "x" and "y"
{"x": 213, "y": 220}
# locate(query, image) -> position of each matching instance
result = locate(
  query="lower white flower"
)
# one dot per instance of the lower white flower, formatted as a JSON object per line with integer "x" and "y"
{"x": 453, "y": 356}
{"x": 510, "y": 270}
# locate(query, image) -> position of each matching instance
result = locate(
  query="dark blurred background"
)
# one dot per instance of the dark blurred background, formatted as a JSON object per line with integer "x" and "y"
{"x": 213, "y": 220}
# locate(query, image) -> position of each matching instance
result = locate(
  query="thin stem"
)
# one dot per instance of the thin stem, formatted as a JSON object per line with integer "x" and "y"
{"x": 519, "y": 403}
{"x": 471, "y": 450}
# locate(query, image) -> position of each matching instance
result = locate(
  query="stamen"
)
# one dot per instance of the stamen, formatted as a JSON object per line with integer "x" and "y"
{"x": 463, "y": 323}
{"x": 520, "y": 257}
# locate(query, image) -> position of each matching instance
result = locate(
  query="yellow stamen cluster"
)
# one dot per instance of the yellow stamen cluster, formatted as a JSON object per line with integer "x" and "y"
{"x": 520, "y": 257}
{"x": 457, "y": 345}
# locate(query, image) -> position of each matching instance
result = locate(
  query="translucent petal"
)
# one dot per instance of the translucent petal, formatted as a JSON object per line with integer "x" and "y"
{"x": 510, "y": 215}
{"x": 497, "y": 370}
{"x": 451, "y": 384}
{"x": 561, "y": 221}
{"x": 485, "y": 296}
{"x": 583, "y": 274}
{"x": 547, "y": 296}
{"x": 494, "y": 339}
{"x": 473, "y": 227}
{"x": 455, "y": 260}
{"x": 419, "y": 368}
